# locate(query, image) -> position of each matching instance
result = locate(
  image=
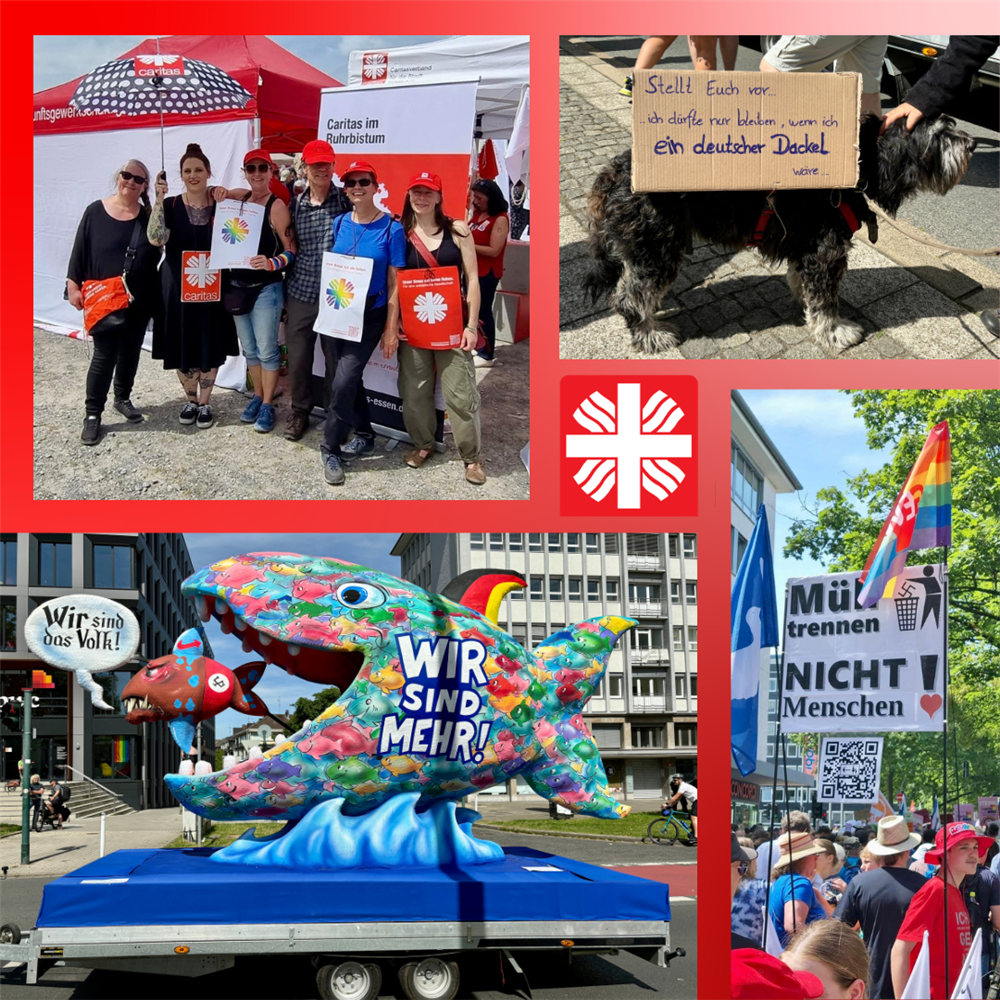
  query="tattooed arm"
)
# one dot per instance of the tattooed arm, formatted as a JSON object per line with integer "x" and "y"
{"x": 157, "y": 232}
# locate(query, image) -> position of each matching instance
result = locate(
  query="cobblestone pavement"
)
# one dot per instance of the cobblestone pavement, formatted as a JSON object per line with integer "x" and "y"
{"x": 729, "y": 304}
{"x": 57, "y": 852}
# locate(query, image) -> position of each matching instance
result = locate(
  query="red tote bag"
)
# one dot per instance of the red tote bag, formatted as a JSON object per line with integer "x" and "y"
{"x": 430, "y": 307}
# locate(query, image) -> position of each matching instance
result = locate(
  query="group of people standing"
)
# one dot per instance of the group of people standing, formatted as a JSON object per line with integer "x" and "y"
{"x": 856, "y": 925}
{"x": 125, "y": 231}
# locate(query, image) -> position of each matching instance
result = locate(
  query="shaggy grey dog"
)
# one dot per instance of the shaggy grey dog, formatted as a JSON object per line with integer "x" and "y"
{"x": 637, "y": 240}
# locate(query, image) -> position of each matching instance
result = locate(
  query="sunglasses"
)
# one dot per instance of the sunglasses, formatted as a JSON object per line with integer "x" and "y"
{"x": 252, "y": 168}
{"x": 361, "y": 182}
{"x": 137, "y": 178}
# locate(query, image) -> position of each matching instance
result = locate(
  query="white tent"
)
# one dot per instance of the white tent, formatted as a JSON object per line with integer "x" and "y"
{"x": 500, "y": 62}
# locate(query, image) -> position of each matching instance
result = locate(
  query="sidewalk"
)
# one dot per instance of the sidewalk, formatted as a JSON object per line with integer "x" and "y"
{"x": 58, "y": 852}
{"x": 912, "y": 300}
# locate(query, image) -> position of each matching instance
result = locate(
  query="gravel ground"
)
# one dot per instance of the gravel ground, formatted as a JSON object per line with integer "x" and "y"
{"x": 161, "y": 459}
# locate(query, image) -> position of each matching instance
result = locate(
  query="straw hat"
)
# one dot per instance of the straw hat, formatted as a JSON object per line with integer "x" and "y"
{"x": 893, "y": 837}
{"x": 794, "y": 845}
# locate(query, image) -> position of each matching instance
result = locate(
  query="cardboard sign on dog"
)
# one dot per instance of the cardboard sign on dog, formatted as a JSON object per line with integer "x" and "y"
{"x": 744, "y": 131}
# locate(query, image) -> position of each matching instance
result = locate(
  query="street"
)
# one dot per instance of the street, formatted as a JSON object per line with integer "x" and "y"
{"x": 598, "y": 977}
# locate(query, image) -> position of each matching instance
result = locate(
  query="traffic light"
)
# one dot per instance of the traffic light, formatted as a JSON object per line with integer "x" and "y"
{"x": 10, "y": 716}
{"x": 817, "y": 811}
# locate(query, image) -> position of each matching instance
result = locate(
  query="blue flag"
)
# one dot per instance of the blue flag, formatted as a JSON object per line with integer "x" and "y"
{"x": 754, "y": 626}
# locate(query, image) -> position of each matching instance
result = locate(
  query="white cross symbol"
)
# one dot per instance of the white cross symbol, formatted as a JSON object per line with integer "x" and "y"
{"x": 628, "y": 445}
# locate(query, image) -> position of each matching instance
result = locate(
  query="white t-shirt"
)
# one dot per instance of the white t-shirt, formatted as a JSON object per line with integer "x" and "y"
{"x": 688, "y": 791}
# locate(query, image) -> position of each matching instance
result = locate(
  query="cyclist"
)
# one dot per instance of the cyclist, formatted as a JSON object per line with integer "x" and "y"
{"x": 682, "y": 789}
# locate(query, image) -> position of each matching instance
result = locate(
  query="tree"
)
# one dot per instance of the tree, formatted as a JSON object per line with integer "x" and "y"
{"x": 311, "y": 708}
{"x": 842, "y": 529}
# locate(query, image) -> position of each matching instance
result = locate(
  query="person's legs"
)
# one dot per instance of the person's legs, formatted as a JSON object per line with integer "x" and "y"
{"x": 300, "y": 339}
{"x": 487, "y": 292}
{"x": 702, "y": 49}
{"x": 267, "y": 318}
{"x": 652, "y": 50}
{"x": 248, "y": 345}
{"x": 458, "y": 383}
{"x": 416, "y": 388}
{"x": 100, "y": 373}
{"x": 865, "y": 58}
{"x": 129, "y": 350}
{"x": 189, "y": 382}
{"x": 206, "y": 383}
{"x": 729, "y": 48}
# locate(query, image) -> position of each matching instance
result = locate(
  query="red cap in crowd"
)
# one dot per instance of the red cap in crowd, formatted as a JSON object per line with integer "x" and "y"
{"x": 756, "y": 975}
{"x": 424, "y": 180}
{"x": 318, "y": 151}
{"x": 258, "y": 154}
{"x": 360, "y": 166}
{"x": 957, "y": 833}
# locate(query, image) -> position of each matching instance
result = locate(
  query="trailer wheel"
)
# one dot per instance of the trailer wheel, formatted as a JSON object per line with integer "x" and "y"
{"x": 10, "y": 934}
{"x": 429, "y": 979}
{"x": 349, "y": 981}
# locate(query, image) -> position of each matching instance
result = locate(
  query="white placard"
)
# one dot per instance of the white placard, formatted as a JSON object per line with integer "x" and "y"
{"x": 852, "y": 669}
{"x": 850, "y": 768}
{"x": 235, "y": 233}
{"x": 343, "y": 289}
{"x": 82, "y": 632}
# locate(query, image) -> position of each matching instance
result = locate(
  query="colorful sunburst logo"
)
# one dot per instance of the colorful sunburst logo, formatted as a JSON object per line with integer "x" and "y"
{"x": 340, "y": 293}
{"x": 235, "y": 231}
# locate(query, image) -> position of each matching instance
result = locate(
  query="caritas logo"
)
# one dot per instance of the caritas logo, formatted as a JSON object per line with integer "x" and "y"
{"x": 629, "y": 446}
{"x": 374, "y": 67}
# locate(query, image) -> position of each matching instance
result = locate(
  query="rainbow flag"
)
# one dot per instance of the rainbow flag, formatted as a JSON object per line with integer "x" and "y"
{"x": 119, "y": 753}
{"x": 920, "y": 518}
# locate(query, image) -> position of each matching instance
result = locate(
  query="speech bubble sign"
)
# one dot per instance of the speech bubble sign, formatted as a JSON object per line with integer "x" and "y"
{"x": 82, "y": 632}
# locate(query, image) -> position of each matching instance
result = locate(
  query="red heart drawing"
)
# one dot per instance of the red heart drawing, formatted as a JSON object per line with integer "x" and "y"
{"x": 930, "y": 703}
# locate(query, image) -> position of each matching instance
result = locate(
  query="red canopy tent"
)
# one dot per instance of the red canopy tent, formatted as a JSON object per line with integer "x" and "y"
{"x": 285, "y": 89}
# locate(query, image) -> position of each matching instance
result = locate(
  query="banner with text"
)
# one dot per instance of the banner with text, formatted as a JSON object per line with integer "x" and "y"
{"x": 851, "y": 669}
{"x": 744, "y": 131}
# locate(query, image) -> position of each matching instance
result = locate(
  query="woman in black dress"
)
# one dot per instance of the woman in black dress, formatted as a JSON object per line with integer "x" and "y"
{"x": 102, "y": 239}
{"x": 197, "y": 336}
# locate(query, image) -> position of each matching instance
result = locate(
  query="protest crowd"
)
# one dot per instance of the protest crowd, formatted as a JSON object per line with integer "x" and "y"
{"x": 849, "y": 909}
{"x": 305, "y": 216}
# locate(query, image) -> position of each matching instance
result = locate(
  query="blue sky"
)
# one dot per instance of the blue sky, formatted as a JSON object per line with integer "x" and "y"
{"x": 278, "y": 690}
{"x": 823, "y": 442}
{"x": 60, "y": 58}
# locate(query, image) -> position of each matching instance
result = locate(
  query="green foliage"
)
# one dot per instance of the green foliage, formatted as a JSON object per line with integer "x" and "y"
{"x": 842, "y": 529}
{"x": 311, "y": 708}
{"x": 218, "y": 758}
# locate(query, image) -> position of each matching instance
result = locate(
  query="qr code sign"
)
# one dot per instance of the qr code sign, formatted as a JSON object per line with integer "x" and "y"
{"x": 850, "y": 769}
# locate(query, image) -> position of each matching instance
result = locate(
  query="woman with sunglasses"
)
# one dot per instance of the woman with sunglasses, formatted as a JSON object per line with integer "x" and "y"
{"x": 102, "y": 240}
{"x": 449, "y": 243}
{"x": 258, "y": 328}
{"x": 365, "y": 231}
{"x": 490, "y": 227}
{"x": 197, "y": 336}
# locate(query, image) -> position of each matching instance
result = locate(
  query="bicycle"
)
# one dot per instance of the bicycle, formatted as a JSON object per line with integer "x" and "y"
{"x": 667, "y": 828}
{"x": 45, "y": 818}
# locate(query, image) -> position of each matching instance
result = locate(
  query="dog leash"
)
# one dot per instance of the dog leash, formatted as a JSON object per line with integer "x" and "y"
{"x": 992, "y": 252}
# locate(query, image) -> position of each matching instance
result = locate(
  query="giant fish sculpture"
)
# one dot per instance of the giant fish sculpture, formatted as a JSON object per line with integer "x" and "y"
{"x": 436, "y": 698}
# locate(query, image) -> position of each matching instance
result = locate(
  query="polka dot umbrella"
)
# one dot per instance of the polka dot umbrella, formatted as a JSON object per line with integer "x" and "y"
{"x": 163, "y": 84}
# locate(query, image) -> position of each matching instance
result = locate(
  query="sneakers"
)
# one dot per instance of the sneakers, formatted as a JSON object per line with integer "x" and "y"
{"x": 128, "y": 411}
{"x": 265, "y": 419}
{"x": 91, "y": 430}
{"x": 691, "y": 842}
{"x": 480, "y": 362}
{"x": 188, "y": 414}
{"x": 297, "y": 425}
{"x": 626, "y": 88}
{"x": 333, "y": 471}
{"x": 474, "y": 473}
{"x": 356, "y": 447}
{"x": 205, "y": 418}
{"x": 249, "y": 415}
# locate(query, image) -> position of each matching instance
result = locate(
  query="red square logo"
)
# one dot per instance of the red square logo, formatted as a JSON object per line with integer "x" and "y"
{"x": 200, "y": 282}
{"x": 629, "y": 445}
{"x": 374, "y": 67}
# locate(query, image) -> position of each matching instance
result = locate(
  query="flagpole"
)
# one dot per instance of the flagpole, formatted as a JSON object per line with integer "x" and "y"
{"x": 944, "y": 745}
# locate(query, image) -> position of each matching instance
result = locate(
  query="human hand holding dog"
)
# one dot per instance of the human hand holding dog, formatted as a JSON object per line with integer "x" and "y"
{"x": 907, "y": 111}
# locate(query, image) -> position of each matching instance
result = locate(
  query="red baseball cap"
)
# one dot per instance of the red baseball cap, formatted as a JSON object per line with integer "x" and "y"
{"x": 756, "y": 975}
{"x": 957, "y": 834}
{"x": 318, "y": 151}
{"x": 360, "y": 166}
{"x": 258, "y": 154}
{"x": 425, "y": 180}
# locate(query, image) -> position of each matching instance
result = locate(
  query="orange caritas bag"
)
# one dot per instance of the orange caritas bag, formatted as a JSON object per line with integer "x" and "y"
{"x": 430, "y": 307}
{"x": 101, "y": 298}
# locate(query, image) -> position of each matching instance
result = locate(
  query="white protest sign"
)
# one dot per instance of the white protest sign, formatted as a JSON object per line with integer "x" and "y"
{"x": 83, "y": 633}
{"x": 851, "y": 669}
{"x": 850, "y": 768}
{"x": 235, "y": 233}
{"x": 343, "y": 289}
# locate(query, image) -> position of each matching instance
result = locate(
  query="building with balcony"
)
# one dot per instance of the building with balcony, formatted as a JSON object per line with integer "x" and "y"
{"x": 71, "y": 738}
{"x": 265, "y": 732}
{"x": 644, "y": 714}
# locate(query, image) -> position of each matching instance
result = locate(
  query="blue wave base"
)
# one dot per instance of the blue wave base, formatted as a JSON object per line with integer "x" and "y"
{"x": 392, "y": 836}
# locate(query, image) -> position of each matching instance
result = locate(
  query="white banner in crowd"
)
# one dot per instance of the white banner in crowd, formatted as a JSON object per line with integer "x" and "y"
{"x": 235, "y": 233}
{"x": 851, "y": 669}
{"x": 342, "y": 292}
{"x": 849, "y": 770}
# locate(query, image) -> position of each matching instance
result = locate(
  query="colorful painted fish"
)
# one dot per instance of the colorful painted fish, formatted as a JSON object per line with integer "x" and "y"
{"x": 442, "y": 731}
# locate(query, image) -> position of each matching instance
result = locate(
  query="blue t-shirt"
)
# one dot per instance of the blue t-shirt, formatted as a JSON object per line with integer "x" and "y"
{"x": 782, "y": 892}
{"x": 382, "y": 241}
